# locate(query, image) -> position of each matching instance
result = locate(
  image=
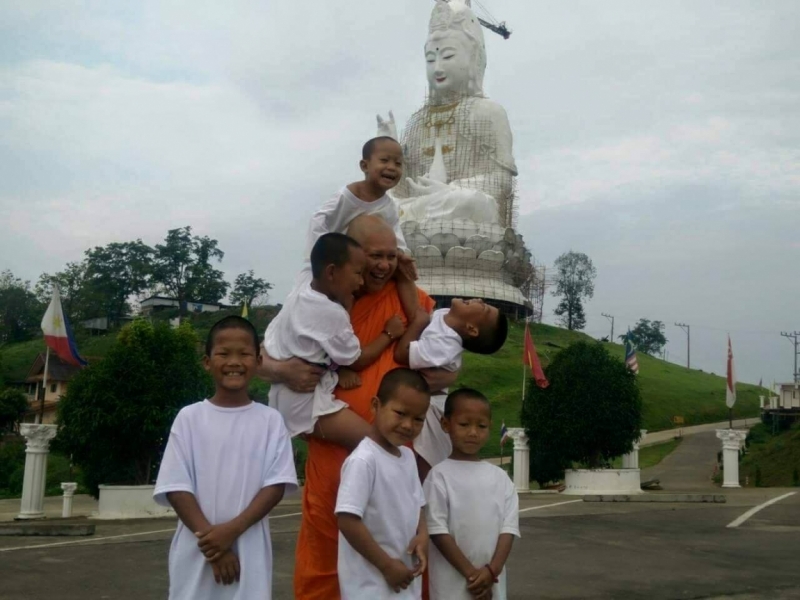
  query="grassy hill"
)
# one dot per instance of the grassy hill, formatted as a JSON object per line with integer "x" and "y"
{"x": 667, "y": 389}
{"x": 772, "y": 460}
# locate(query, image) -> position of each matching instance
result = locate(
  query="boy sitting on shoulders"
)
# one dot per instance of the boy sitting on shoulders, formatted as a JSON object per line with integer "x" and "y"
{"x": 472, "y": 510}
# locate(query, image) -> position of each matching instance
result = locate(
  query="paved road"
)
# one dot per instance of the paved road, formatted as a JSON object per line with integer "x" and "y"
{"x": 690, "y": 466}
{"x": 569, "y": 550}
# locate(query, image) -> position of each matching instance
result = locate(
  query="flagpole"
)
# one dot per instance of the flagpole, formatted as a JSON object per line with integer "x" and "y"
{"x": 44, "y": 386}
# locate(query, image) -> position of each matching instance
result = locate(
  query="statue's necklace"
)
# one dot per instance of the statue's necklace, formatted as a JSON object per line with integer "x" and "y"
{"x": 439, "y": 116}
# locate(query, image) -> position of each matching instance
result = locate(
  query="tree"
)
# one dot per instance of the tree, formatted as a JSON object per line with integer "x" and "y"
{"x": 648, "y": 336}
{"x": 116, "y": 415}
{"x": 115, "y": 273}
{"x": 250, "y": 290}
{"x": 590, "y": 413}
{"x": 182, "y": 267}
{"x": 20, "y": 311}
{"x": 13, "y": 406}
{"x": 77, "y": 297}
{"x": 575, "y": 281}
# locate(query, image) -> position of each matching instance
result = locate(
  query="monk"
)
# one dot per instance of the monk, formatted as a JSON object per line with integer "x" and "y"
{"x": 315, "y": 576}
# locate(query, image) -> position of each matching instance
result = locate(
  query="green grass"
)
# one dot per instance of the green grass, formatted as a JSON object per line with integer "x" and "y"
{"x": 650, "y": 456}
{"x": 777, "y": 457}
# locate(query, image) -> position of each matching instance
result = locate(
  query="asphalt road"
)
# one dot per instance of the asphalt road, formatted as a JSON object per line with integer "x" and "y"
{"x": 569, "y": 549}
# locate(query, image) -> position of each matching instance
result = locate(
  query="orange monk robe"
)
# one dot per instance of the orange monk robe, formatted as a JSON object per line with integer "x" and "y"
{"x": 315, "y": 576}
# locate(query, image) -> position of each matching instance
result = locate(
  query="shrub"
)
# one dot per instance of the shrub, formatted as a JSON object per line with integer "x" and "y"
{"x": 591, "y": 413}
{"x": 13, "y": 405}
{"x": 114, "y": 419}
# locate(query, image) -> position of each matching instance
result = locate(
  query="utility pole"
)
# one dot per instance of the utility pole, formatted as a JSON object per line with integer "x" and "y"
{"x": 686, "y": 328}
{"x": 611, "y": 318}
{"x": 794, "y": 338}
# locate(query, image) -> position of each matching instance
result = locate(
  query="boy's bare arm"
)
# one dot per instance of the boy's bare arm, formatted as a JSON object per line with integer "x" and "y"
{"x": 343, "y": 427}
{"x": 407, "y": 289}
{"x": 295, "y": 373}
{"x": 393, "y": 330}
{"x": 416, "y": 326}
{"x": 217, "y": 539}
{"x": 504, "y": 543}
{"x": 484, "y": 577}
{"x": 439, "y": 379}
{"x": 446, "y": 544}
{"x": 397, "y": 575}
{"x": 419, "y": 544}
{"x": 188, "y": 510}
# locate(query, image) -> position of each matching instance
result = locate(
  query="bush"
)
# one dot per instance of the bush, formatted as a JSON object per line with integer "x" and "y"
{"x": 591, "y": 413}
{"x": 115, "y": 418}
{"x": 13, "y": 405}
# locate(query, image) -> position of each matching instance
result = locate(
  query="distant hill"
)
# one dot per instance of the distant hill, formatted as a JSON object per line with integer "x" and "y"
{"x": 667, "y": 389}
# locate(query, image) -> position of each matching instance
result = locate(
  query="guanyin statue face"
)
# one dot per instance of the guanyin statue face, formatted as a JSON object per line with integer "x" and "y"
{"x": 448, "y": 55}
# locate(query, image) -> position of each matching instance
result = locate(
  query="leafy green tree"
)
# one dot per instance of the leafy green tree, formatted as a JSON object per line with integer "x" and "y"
{"x": 20, "y": 311}
{"x": 13, "y": 405}
{"x": 182, "y": 267}
{"x": 590, "y": 413}
{"x": 115, "y": 417}
{"x": 116, "y": 272}
{"x": 77, "y": 297}
{"x": 648, "y": 336}
{"x": 575, "y": 282}
{"x": 249, "y": 289}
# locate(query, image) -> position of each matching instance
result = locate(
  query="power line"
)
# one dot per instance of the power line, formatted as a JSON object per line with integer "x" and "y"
{"x": 794, "y": 338}
{"x": 686, "y": 328}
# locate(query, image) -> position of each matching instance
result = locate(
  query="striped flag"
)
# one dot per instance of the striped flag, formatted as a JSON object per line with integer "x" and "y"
{"x": 503, "y": 433}
{"x": 630, "y": 354}
{"x": 531, "y": 359}
{"x": 58, "y": 334}
{"x": 730, "y": 392}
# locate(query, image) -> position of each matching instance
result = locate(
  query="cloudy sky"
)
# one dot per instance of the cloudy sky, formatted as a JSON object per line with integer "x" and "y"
{"x": 660, "y": 138}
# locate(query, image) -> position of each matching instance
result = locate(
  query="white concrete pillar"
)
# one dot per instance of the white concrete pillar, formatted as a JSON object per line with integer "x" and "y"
{"x": 761, "y": 402}
{"x": 522, "y": 460}
{"x": 38, "y": 436}
{"x": 69, "y": 491}
{"x": 732, "y": 440}
{"x": 631, "y": 459}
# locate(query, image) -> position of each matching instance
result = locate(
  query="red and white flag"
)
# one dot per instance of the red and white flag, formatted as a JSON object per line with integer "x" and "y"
{"x": 531, "y": 359}
{"x": 57, "y": 333}
{"x": 730, "y": 393}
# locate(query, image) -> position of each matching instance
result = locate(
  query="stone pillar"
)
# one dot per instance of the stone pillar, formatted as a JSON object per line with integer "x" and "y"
{"x": 631, "y": 459}
{"x": 761, "y": 402}
{"x": 522, "y": 460}
{"x": 38, "y": 436}
{"x": 731, "y": 443}
{"x": 69, "y": 491}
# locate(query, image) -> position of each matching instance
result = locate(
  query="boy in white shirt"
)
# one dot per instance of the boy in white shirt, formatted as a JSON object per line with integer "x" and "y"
{"x": 473, "y": 508}
{"x": 227, "y": 464}
{"x": 383, "y": 541}
{"x": 467, "y": 325}
{"x": 314, "y": 325}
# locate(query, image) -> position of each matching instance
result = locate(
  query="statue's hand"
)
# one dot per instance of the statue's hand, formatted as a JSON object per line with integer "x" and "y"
{"x": 425, "y": 186}
{"x": 387, "y": 126}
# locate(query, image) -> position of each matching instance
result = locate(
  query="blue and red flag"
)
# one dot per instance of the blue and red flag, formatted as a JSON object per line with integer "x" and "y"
{"x": 57, "y": 332}
{"x": 503, "y": 433}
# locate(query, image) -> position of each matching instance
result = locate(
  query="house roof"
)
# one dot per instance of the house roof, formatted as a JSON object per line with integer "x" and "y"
{"x": 57, "y": 370}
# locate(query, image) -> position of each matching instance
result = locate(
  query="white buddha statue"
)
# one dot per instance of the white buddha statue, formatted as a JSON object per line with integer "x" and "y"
{"x": 459, "y": 171}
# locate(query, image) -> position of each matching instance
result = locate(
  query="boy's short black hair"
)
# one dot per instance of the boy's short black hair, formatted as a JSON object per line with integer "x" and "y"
{"x": 369, "y": 147}
{"x": 231, "y": 322}
{"x": 489, "y": 339}
{"x": 463, "y": 394}
{"x": 331, "y": 249}
{"x": 401, "y": 377}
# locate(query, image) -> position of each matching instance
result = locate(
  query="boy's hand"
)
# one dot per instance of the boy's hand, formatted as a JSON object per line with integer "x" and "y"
{"x": 348, "y": 379}
{"x": 419, "y": 549}
{"x": 216, "y": 541}
{"x": 397, "y": 574}
{"x": 407, "y": 266}
{"x": 226, "y": 568}
{"x": 395, "y": 327}
{"x": 479, "y": 581}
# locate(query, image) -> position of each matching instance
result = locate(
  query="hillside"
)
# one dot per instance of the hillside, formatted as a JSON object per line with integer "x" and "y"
{"x": 772, "y": 460}
{"x": 667, "y": 389}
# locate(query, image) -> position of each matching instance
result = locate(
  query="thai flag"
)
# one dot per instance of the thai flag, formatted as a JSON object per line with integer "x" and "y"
{"x": 730, "y": 390}
{"x": 503, "y": 433}
{"x": 630, "y": 354}
{"x": 57, "y": 332}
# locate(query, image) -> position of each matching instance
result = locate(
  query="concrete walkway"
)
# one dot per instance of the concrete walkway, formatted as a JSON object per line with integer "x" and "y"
{"x": 658, "y": 437}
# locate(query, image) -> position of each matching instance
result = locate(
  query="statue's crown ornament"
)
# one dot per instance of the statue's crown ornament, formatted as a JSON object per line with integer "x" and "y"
{"x": 456, "y": 15}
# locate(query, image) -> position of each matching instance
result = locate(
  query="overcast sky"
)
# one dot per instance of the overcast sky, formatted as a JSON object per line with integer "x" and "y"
{"x": 660, "y": 138}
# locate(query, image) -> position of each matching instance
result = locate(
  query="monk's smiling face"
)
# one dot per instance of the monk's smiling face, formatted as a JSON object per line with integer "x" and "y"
{"x": 381, "y": 249}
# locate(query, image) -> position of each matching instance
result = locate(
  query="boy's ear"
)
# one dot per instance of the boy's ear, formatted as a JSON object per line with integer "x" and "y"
{"x": 471, "y": 330}
{"x": 206, "y": 363}
{"x": 329, "y": 271}
{"x": 363, "y": 165}
{"x": 445, "y": 423}
{"x": 376, "y": 402}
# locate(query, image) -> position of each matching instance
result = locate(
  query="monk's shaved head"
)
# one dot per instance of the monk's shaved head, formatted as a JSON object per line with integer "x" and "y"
{"x": 365, "y": 226}
{"x": 379, "y": 242}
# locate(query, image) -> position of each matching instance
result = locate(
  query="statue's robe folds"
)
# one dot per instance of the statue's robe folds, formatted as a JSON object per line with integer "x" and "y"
{"x": 315, "y": 576}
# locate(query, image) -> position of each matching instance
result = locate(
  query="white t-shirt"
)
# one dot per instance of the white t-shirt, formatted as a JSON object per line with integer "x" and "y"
{"x": 224, "y": 456}
{"x": 438, "y": 346}
{"x": 384, "y": 490}
{"x": 335, "y": 215}
{"x": 312, "y": 327}
{"x": 474, "y": 502}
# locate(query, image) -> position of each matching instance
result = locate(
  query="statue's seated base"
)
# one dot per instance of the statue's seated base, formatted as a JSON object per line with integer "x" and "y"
{"x": 446, "y": 283}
